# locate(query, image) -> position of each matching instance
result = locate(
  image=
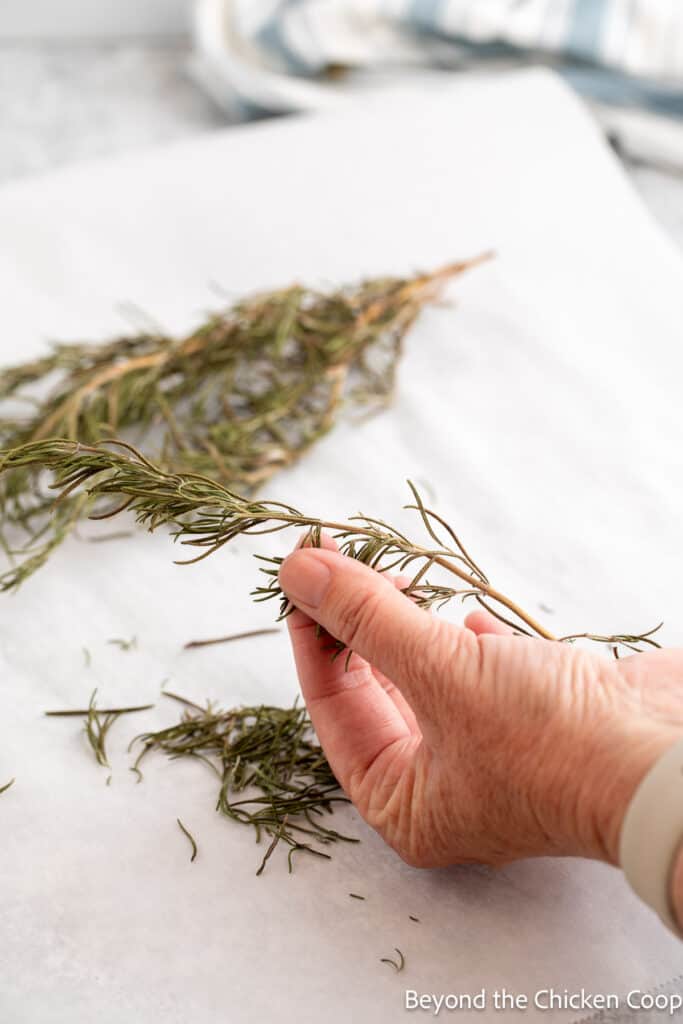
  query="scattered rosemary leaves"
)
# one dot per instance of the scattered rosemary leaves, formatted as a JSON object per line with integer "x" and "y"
{"x": 205, "y": 515}
{"x": 244, "y": 395}
{"x": 355, "y": 896}
{"x": 273, "y": 775}
{"x": 98, "y": 722}
{"x": 193, "y": 844}
{"x": 3, "y": 789}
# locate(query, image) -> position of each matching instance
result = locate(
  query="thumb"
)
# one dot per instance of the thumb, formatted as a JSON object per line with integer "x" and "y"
{"x": 363, "y": 609}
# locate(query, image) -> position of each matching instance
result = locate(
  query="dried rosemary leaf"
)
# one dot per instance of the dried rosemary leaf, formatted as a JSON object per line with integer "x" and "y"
{"x": 399, "y": 964}
{"x": 244, "y": 395}
{"x": 273, "y": 775}
{"x": 3, "y": 789}
{"x": 193, "y": 844}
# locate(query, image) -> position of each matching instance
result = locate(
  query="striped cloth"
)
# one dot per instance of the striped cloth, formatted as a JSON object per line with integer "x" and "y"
{"x": 268, "y": 56}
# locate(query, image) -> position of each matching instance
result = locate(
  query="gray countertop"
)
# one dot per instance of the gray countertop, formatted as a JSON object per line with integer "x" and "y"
{"x": 61, "y": 103}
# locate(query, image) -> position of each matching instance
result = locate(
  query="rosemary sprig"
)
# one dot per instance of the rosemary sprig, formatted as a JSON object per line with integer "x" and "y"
{"x": 3, "y": 789}
{"x": 98, "y": 722}
{"x": 206, "y": 515}
{"x": 244, "y": 395}
{"x": 273, "y": 775}
{"x": 191, "y": 838}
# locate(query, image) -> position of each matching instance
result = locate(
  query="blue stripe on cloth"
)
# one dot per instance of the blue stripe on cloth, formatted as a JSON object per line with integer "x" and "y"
{"x": 619, "y": 89}
{"x": 581, "y": 50}
{"x": 585, "y": 28}
{"x": 273, "y": 38}
{"x": 425, "y": 13}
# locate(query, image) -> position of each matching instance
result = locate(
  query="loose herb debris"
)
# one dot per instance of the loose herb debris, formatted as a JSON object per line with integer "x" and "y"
{"x": 244, "y": 395}
{"x": 206, "y": 515}
{"x": 122, "y": 644}
{"x": 398, "y": 966}
{"x": 355, "y": 896}
{"x": 413, "y": 918}
{"x": 229, "y": 639}
{"x": 98, "y": 722}
{"x": 3, "y": 789}
{"x": 193, "y": 844}
{"x": 273, "y": 774}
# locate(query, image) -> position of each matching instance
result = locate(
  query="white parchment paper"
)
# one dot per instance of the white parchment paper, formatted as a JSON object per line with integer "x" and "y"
{"x": 542, "y": 410}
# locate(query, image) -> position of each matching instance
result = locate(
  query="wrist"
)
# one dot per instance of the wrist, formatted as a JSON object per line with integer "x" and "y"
{"x": 676, "y": 887}
{"x": 616, "y": 772}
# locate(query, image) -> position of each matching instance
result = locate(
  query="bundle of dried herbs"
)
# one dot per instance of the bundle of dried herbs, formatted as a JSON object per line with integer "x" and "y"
{"x": 273, "y": 775}
{"x": 244, "y": 395}
{"x": 206, "y": 515}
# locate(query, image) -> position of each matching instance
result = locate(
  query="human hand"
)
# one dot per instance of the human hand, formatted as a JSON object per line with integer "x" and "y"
{"x": 472, "y": 744}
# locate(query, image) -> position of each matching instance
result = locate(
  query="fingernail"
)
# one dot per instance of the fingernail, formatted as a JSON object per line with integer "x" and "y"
{"x": 305, "y": 578}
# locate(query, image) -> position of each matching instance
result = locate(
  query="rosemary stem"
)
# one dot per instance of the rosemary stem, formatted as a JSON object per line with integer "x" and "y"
{"x": 445, "y": 563}
{"x": 476, "y": 584}
{"x": 496, "y": 595}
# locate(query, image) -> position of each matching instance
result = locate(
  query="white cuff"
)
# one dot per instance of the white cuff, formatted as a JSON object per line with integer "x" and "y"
{"x": 652, "y": 832}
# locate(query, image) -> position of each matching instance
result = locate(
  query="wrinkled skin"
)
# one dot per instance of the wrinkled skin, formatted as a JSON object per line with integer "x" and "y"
{"x": 471, "y": 744}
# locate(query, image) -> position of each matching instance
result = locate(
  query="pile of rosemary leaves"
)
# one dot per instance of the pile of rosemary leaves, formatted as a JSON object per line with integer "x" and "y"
{"x": 273, "y": 775}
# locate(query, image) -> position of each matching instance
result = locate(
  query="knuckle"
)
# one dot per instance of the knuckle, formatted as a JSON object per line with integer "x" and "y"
{"x": 446, "y": 653}
{"x": 462, "y": 647}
